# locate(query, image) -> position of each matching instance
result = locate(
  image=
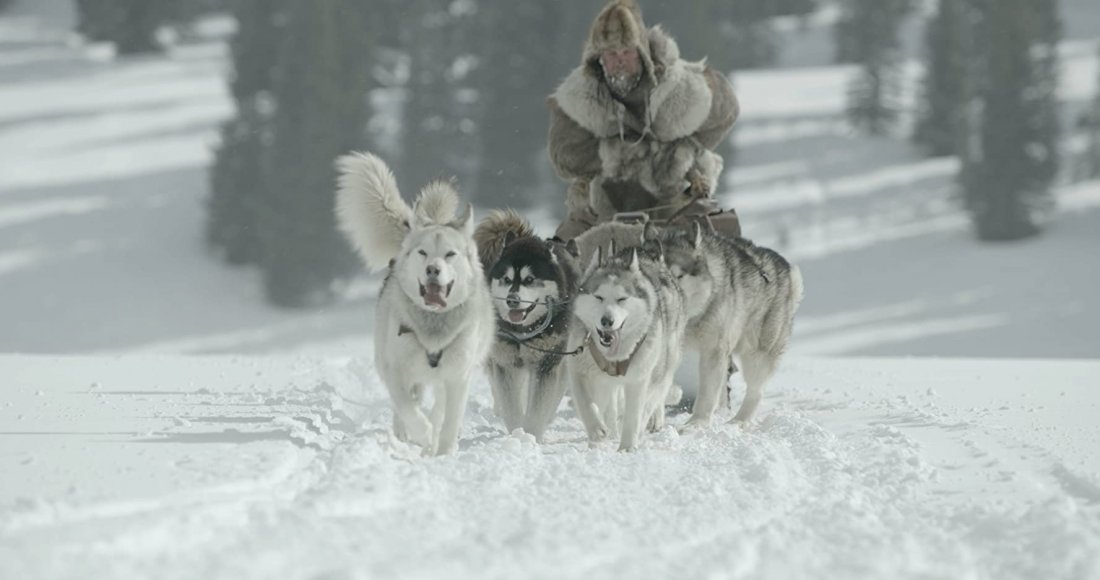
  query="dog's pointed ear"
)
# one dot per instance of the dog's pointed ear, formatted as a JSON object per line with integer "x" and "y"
{"x": 418, "y": 220}
{"x": 571, "y": 247}
{"x": 463, "y": 223}
{"x": 634, "y": 267}
{"x": 659, "y": 250}
{"x": 696, "y": 235}
{"x": 595, "y": 262}
{"x": 509, "y": 237}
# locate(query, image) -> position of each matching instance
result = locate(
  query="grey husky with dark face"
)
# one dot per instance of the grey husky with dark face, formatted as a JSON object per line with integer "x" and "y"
{"x": 630, "y": 317}
{"x": 532, "y": 282}
{"x": 741, "y": 300}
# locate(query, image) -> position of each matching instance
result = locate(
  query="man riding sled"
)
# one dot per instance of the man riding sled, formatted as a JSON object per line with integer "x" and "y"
{"x": 634, "y": 127}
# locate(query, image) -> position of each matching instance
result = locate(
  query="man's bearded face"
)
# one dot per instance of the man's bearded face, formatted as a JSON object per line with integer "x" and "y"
{"x": 622, "y": 68}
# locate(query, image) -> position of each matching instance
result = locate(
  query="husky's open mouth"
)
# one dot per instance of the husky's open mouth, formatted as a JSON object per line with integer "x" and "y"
{"x": 518, "y": 315}
{"x": 435, "y": 294}
{"x": 608, "y": 338}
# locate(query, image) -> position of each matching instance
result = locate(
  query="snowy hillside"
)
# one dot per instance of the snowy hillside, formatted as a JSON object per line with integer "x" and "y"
{"x": 124, "y": 456}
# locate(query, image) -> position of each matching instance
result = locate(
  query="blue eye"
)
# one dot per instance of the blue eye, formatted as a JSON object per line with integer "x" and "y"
{"x": 449, "y": 255}
{"x": 598, "y": 297}
{"x": 422, "y": 253}
{"x": 621, "y": 300}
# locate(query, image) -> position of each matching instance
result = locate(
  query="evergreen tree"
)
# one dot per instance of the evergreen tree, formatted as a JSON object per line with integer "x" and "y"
{"x": 1012, "y": 154}
{"x": 439, "y": 117}
{"x": 867, "y": 34}
{"x": 513, "y": 83}
{"x": 321, "y": 96}
{"x": 237, "y": 177}
{"x": 1090, "y": 121}
{"x": 942, "y": 98}
{"x": 130, "y": 24}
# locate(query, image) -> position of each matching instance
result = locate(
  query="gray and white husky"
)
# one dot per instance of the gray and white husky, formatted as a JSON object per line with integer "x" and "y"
{"x": 532, "y": 283}
{"x": 434, "y": 323}
{"x": 630, "y": 317}
{"x": 741, "y": 300}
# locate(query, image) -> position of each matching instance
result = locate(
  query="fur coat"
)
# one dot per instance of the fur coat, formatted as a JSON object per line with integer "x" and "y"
{"x": 632, "y": 161}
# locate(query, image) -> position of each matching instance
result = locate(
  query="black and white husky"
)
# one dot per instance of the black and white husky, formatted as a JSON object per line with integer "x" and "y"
{"x": 532, "y": 283}
{"x": 434, "y": 323}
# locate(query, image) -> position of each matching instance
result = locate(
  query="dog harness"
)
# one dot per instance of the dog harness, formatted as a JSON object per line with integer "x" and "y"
{"x": 614, "y": 369}
{"x": 433, "y": 357}
{"x": 521, "y": 339}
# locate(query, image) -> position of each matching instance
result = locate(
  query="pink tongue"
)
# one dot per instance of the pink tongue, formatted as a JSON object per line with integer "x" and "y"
{"x": 433, "y": 295}
{"x": 516, "y": 315}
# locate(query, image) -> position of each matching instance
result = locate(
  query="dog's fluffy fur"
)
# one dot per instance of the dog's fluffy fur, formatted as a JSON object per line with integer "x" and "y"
{"x": 532, "y": 283}
{"x": 741, "y": 300}
{"x": 434, "y": 323}
{"x": 630, "y": 316}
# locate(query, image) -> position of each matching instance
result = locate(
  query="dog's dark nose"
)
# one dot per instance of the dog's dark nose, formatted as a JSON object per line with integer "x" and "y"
{"x": 512, "y": 301}
{"x": 606, "y": 322}
{"x": 433, "y": 271}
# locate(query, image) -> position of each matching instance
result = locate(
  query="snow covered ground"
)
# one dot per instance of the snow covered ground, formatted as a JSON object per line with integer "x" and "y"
{"x": 123, "y": 455}
{"x": 218, "y": 467}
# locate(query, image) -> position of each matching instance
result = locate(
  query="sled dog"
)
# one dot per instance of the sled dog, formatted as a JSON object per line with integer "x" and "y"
{"x": 532, "y": 282}
{"x": 630, "y": 318}
{"x": 740, "y": 300}
{"x": 434, "y": 323}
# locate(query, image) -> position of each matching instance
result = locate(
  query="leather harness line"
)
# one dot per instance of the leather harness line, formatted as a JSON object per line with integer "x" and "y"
{"x": 617, "y": 368}
{"x": 433, "y": 357}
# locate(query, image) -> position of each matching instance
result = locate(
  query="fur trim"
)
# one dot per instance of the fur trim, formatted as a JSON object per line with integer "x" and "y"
{"x": 369, "y": 208}
{"x": 619, "y": 25}
{"x": 584, "y": 100}
{"x": 678, "y": 104}
{"x": 494, "y": 229}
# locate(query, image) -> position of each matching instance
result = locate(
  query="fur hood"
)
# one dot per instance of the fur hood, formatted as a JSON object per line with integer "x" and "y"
{"x": 678, "y": 102}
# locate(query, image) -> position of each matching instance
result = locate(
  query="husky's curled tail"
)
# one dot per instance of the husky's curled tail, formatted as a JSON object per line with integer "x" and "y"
{"x": 371, "y": 213}
{"x": 497, "y": 230}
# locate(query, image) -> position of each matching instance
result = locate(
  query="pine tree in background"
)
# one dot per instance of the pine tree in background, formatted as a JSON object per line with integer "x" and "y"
{"x": 1011, "y": 158}
{"x": 321, "y": 95}
{"x": 942, "y": 97}
{"x": 513, "y": 82}
{"x": 130, "y": 24}
{"x": 237, "y": 177}
{"x": 439, "y": 117}
{"x": 1090, "y": 122}
{"x": 867, "y": 34}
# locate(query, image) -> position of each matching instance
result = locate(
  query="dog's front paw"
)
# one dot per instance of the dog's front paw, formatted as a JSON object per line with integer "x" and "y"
{"x": 696, "y": 424}
{"x": 420, "y": 432}
{"x": 740, "y": 422}
{"x": 656, "y": 421}
{"x": 625, "y": 447}
{"x": 597, "y": 434}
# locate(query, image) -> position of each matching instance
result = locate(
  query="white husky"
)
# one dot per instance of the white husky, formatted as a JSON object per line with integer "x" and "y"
{"x": 434, "y": 323}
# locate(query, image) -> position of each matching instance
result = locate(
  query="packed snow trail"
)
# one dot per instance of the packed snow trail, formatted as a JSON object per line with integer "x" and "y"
{"x": 851, "y": 472}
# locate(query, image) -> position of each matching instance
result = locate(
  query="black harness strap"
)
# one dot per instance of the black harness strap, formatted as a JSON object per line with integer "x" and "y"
{"x": 521, "y": 339}
{"x": 433, "y": 357}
